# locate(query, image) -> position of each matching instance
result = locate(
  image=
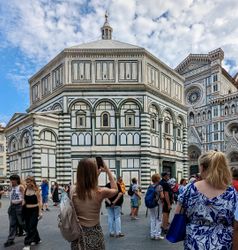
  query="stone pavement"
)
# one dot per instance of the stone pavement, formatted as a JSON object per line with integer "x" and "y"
{"x": 136, "y": 232}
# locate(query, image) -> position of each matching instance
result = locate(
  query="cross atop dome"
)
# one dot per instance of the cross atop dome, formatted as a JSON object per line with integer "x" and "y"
{"x": 106, "y": 29}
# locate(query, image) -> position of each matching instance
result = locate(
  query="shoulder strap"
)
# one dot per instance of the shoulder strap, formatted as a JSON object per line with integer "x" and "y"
{"x": 186, "y": 197}
{"x": 75, "y": 213}
{"x": 72, "y": 203}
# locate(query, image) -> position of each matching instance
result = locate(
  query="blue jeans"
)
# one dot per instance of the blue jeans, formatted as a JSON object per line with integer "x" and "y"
{"x": 114, "y": 219}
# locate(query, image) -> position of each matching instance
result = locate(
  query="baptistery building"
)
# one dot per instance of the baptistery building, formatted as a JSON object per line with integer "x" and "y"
{"x": 105, "y": 98}
{"x": 212, "y": 99}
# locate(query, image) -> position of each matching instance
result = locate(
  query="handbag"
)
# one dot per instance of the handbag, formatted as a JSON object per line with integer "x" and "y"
{"x": 177, "y": 229}
{"x": 68, "y": 221}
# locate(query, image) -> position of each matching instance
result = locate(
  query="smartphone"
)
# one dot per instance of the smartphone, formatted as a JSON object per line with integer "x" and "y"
{"x": 99, "y": 161}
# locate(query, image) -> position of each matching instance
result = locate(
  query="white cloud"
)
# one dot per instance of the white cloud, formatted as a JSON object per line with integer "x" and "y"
{"x": 169, "y": 29}
{"x": 4, "y": 119}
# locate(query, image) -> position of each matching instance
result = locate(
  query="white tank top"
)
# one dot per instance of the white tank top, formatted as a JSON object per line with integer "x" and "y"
{"x": 16, "y": 196}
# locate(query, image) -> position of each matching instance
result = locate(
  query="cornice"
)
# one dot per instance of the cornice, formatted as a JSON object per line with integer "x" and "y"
{"x": 14, "y": 124}
{"x": 129, "y": 53}
{"x": 211, "y": 56}
{"x": 45, "y": 68}
{"x": 225, "y": 98}
{"x": 110, "y": 88}
{"x": 30, "y": 117}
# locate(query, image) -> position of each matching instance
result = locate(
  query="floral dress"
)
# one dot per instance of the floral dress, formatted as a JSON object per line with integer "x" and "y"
{"x": 209, "y": 225}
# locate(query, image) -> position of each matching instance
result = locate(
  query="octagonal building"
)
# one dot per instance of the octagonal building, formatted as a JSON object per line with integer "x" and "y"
{"x": 105, "y": 98}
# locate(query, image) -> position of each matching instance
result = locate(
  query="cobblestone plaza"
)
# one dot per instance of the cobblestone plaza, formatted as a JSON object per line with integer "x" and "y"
{"x": 136, "y": 232}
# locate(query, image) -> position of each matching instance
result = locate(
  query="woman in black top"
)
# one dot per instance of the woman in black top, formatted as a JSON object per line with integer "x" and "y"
{"x": 55, "y": 194}
{"x": 113, "y": 206}
{"x": 32, "y": 212}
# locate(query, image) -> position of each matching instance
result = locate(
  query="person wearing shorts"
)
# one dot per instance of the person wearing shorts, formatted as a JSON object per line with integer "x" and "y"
{"x": 168, "y": 200}
{"x": 45, "y": 194}
{"x": 135, "y": 198}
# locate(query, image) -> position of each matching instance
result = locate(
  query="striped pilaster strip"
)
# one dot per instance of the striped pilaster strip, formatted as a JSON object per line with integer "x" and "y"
{"x": 36, "y": 154}
{"x": 185, "y": 152}
{"x": 63, "y": 162}
{"x": 145, "y": 130}
{"x": 145, "y": 172}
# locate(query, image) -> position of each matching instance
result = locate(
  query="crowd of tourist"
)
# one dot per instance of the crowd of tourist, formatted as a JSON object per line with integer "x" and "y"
{"x": 209, "y": 200}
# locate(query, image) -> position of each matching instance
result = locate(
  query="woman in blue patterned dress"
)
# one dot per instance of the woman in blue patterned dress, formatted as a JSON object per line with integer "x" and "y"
{"x": 210, "y": 205}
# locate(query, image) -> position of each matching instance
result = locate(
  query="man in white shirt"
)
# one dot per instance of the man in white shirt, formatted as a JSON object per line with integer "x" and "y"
{"x": 15, "y": 209}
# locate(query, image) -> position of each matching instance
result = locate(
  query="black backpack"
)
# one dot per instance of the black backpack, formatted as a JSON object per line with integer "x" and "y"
{"x": 130, "y": 192}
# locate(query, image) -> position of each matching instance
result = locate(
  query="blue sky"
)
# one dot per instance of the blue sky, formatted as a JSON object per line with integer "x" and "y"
{"x": 34, "y": 31}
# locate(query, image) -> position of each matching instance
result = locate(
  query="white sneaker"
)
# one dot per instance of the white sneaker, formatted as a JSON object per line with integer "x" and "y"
{"x": 26, "y": 248}
{"x": 34, "y": 243}
{"x": 159, "y": 238}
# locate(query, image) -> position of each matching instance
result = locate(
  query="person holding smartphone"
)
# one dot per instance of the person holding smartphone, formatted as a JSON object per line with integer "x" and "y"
{"x": 87, "y": 197}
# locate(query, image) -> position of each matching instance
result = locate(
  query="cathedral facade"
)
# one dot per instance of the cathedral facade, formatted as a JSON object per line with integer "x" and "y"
{"x": 105, "y": 98}
{"x": 212, "y": 99}
{"x": 3, "y": 151}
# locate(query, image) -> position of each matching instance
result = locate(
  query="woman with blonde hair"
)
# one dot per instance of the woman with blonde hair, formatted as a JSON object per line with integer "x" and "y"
{"x": 87, "y": 197}
{"x": 209, "y": 205}
{"x": 32, "y": 212}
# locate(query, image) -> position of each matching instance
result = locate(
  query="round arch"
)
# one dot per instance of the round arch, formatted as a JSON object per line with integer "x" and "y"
{"x": 170, "y": 111}
{"x": 182, "y": 119}
{"x": 22, "y": 135}
{"x": 104, "y": 100}
{"x": 233, "y": 156}
{"x": 194, "y": 152}
{"x": 13, "y": 137}
{"x": 80, "y": 100}
{"x": 57, "y": 104}
{"x": 48, "y": 130}
{"x": 130, "y": 100}
{"x": 158, "y": 108}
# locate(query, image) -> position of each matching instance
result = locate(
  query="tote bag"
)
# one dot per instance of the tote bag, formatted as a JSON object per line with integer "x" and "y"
{"x": 177, "y": 229}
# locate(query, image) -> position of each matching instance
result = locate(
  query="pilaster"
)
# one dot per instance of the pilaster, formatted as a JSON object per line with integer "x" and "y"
{"x": 63, "y": 163}
{"x": 36, "y": 153}
{"x": 145, "y": 150}
{"x": 185, "y": 153}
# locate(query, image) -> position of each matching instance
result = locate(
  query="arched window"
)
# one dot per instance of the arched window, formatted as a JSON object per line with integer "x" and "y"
{"x": 80, "y": 119}
{"x": 179, "y": 131}
{"x": 130, "y": 118}
{"x": 191, "y": 117}
{"x": 105, "y": 119}
{"x": 26, "y": 140}
{"x": 74, "y": 140}
{"x": 199, "y": 117}
{"x": 204, "y": 116}
{"x": 167, "y": 127}
{"x": 152, "y": 123}
{"x": 13, "y": 145}
{"x": 209, "y": 115}
{"x": 226, "y": 111}
{"x": 233, "y": 109}
{"x": 47, "y": 135}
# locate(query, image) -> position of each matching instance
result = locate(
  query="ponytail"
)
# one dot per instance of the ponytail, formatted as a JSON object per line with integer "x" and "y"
{"x": 216, "y": 170}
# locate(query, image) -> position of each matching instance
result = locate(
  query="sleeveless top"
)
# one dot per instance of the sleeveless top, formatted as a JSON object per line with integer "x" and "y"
{"x": 16, "y": 196}
{"x": 88, "y": 211}
{"x": 31, "y": 199}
